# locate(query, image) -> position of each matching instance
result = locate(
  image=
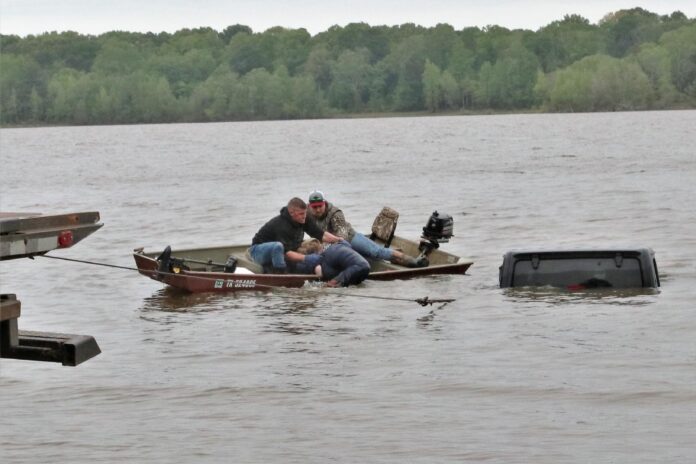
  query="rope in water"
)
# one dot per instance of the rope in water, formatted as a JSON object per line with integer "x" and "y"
{"x": 425, "y": 301}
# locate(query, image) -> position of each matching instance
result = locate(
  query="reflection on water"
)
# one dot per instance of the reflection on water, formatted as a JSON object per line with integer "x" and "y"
{"x": 278, "y": 300}
{"x": 285, "y": 310}
{"x": 171, "y": 299}
{"x": 554, "y": 296}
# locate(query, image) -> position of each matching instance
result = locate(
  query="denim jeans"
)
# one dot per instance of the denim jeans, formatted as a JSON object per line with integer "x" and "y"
{"x": 342, "y": 263}
{"x": 307, "y": 266}
{"x": 268, "y": 254}
{"x": 370, "y": 249}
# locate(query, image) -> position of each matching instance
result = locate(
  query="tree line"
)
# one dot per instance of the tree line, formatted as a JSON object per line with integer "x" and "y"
{"x": 631, "y": 60}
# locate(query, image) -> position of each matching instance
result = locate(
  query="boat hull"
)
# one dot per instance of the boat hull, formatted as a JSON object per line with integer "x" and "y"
{"x": 205, "y": 273}
{"x": 202, "y": 281}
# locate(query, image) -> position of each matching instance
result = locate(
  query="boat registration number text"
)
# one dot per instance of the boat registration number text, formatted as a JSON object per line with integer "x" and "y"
{"x": 241, "y": 283}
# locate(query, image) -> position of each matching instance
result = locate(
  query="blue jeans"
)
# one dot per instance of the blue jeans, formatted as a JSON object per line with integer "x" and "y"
{"x": 343, "y": 264}
{"x": 370, "y": 249}
{"x": 268, "y": 254}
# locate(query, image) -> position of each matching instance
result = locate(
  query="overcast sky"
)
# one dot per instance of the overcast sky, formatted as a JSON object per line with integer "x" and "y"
{"x": 23, "y": 17}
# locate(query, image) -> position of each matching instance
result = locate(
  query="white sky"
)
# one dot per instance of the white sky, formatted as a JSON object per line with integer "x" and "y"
{"x": 23, "y": 17}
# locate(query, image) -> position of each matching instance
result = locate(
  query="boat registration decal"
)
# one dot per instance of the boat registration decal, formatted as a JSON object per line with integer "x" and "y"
{"x": 242, "y": 283}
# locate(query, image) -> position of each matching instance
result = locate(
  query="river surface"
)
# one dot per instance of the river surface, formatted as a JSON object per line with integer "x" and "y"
{"x": 497, "y": 376}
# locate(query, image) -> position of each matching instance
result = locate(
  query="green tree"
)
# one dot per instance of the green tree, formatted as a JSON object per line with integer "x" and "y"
{"x": 186, "y": 40}
{"x": 262, "y": 95}
{"x": 56, "y": 50}
{"x": 491, "y": 42}
{"x": 601, "y": 83}
{"x": 9, "y": 112}
{"x": 36, "y": 106}
{"x": 462, "y": 61}
{"x": 305, "y": 101}
{"x": 19, "y": 76}
{"x": 408, "y": 62}
{"x": 117, "y": 56}
{"x": 184, "y": 71}
{"x": 451, "y": 91}
{"x": 64, "y": 95}
{"x": 440, "y": 89}
{"x": 440, "y": 43}
{"x": 246, "y": 52}
{"x": 355, "y": 36}
{"x": 318, "y": 66}
{"x": 432, "y": 90}
{"x": 681, "y": 46}
{"x": 103, "y": 108}
{"x": 349, "y": 89}
{"x": 213, "y": 99}
{"x": 151, "y": 99}
{"x": 382, "y": 81}
{"x": 290, "y": 47}
{"x": 563, "y": 42}
{"x": 627, "y": 29}
{"x": 510, "y": 82}
{"x": 230, "y": 31}
{"x": 654, "y": 60}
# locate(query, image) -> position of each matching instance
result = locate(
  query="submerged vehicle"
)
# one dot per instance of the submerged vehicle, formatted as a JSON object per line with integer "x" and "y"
{"x": 230, "y": 268}
{"x": 580, "y": 269}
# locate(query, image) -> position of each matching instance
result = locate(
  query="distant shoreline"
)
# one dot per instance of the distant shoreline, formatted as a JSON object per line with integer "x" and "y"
{"x": 378, "y": 115}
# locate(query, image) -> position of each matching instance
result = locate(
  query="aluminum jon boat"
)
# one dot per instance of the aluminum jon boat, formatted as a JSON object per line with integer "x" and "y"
{"x": 229, "y": 268}
{"x": 204, "y": 269}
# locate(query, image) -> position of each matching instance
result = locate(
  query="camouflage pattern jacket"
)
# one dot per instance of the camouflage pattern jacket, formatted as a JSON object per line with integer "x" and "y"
{"x": 335, "y": 222}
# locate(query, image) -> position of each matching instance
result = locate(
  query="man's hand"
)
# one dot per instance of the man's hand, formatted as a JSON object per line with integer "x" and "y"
{"x": 330, "y": 238}
{"x": 294, "y": 256}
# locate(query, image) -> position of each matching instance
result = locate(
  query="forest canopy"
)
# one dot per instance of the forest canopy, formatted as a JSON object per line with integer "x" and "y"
{"x": 631, "y": 60}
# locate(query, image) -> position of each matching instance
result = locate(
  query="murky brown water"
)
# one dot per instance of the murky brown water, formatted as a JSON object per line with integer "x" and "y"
{"x": 497, "y": 376}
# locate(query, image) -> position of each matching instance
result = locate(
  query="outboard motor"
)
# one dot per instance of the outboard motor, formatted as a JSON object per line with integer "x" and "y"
{"x": 439, "y": 229}
{"x": 169, "y": 265}
{"x": 165, "y": 261}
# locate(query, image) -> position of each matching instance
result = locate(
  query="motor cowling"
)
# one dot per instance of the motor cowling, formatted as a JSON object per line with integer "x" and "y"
{"x": 439, "y": 229}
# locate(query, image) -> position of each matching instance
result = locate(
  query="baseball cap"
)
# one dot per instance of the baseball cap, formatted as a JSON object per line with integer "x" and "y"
{"x": 315, "y": 198}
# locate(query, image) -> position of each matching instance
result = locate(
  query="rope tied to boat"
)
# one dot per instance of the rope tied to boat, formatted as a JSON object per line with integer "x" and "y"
{"x": 88, "y": 262}
{"x": 425, "y": 301}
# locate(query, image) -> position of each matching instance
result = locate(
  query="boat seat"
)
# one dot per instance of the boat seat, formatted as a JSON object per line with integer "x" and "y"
{"x": 384, "y": 226}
